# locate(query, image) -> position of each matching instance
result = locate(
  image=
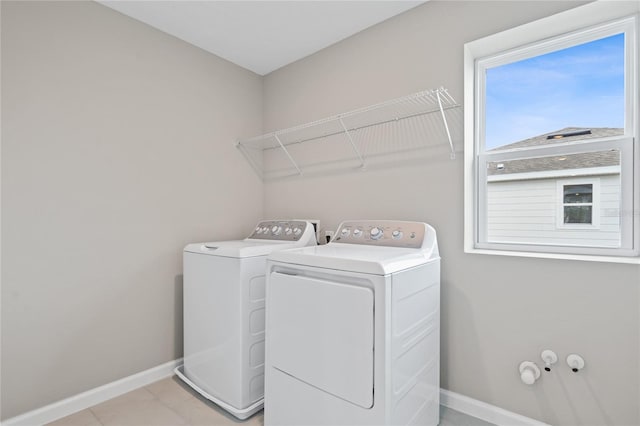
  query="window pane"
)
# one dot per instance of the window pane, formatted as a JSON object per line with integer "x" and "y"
{"x": 578, "y": 194}
{"x": 529, "y": 200}
{"x": 577, "y": 214}
{"x": 560, "y": 93}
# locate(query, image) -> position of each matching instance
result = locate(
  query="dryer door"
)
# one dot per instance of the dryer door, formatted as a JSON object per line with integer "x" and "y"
{"x": 321, "y": 332}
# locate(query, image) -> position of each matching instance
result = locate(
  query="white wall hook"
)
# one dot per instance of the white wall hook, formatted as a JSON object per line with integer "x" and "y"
{"x": 549, "y": 357}
{"x": 529, "y": 372}
{"x": 575, "y": 362}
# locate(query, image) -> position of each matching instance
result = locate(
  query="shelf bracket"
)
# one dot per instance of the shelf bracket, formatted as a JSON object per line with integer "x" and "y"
{"x": 275, "y": 135}
{"x": 353, "y": 145}
{"x": 446, "y": 126}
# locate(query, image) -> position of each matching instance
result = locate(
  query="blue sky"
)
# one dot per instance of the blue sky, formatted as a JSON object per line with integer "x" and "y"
{"x": 581, "y": 86}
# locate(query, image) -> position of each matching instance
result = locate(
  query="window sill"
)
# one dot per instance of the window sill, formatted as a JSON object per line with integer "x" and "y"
{"x": 633, "y": 260}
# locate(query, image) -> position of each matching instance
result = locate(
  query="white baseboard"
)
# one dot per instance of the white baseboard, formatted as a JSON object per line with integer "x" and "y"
{"x": 57, "y": 410}
{"x": 65, "y": 407}
{"x": 483, "y": 411}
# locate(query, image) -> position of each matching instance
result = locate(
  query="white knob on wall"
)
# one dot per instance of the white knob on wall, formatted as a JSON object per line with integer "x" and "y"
{"x": 548, "y": 357}
{"x": 529, "y": 372}
{"x": 575, "y": 362}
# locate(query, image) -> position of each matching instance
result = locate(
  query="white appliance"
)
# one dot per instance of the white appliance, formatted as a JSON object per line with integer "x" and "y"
{"x": 224, "y": 313}
{"x": 353, "y": 328}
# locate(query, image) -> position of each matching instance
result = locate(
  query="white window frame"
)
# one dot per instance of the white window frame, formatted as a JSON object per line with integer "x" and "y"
{"x": 595, "y": 204}
{"x": 576, "y": 26}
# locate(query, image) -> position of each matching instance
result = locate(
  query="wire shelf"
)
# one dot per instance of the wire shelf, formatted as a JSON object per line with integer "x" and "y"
{"x": 354, "y": 139}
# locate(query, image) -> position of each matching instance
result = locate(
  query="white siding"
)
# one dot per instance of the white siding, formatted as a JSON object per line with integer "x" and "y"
{"x": 527, "y": 212}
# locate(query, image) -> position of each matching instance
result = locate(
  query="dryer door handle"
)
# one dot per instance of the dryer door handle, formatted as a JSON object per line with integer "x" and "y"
{"x": 289, "y": 273}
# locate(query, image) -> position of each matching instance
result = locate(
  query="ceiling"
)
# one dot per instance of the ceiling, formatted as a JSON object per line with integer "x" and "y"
{"x": 261, "y": 36}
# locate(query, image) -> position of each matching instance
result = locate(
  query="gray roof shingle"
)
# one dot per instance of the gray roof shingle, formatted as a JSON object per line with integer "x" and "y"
{"x": 559, "y": 162}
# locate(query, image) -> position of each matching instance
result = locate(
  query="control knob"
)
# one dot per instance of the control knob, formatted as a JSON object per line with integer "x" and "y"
{"x": 288, "y": 230}
{"x": 345, "y": 232}
{"x": 397, "y": 234}
{"x": 276, "y": 230}
{"x": 357, "y": 232}
{"x": 297, "y": 231}
{"x": 376, "y": 233}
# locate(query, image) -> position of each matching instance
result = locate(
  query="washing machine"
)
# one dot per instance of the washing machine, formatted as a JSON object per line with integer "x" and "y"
{"x": 224, "y": 313}
{"x": 353, "y": 328}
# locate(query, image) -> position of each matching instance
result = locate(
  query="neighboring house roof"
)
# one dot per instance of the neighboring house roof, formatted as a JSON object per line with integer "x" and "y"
{"x": 559, "y": 162}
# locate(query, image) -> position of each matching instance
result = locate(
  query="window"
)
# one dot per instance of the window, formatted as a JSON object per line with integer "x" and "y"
{"x": 579, "y": 206}
{"x": 552, "y": 163}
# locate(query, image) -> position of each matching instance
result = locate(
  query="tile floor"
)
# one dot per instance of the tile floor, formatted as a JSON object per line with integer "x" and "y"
{"x": 170, "y": 402}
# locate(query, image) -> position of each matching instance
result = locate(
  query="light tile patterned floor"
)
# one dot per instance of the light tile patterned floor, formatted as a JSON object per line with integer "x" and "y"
{"x": 170, "y": 402}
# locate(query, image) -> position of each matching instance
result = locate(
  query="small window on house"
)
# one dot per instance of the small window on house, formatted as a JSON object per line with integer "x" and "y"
{"x": 552, "y": 146}
{"x": 577, "y": 201}
{"x": 569, "y": 134}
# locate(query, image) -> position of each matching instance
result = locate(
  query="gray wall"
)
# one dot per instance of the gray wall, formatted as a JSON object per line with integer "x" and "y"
{"x": 496, "y": 311}
{"x": 117, "y": 150}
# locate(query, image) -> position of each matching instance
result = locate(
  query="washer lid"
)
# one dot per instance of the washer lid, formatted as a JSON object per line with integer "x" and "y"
{"x": 239, "y": 248}
{"x": 356, "y": 258}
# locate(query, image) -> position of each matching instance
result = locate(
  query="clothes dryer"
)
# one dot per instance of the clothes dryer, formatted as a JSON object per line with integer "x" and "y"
{"x": 353, "y": 328}
{"x": 223, "y": 297}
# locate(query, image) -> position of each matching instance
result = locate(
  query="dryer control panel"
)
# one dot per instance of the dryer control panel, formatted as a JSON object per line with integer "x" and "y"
{"x": 387, "y": 233}
{"x": 291, "y": 230}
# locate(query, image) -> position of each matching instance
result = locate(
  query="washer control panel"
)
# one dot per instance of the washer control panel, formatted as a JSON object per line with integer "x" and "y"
{"x": 382, "y": 233}
{"x": 290, "y": 230}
